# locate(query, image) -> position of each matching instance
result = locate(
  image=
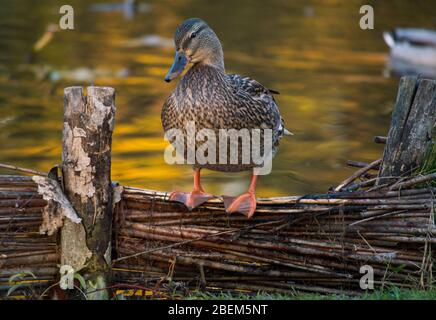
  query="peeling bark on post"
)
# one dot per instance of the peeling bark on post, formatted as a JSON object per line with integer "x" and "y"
{"x": 58, "y": 207}
{"x": 411, "y": 132}
{"x": 86, "y": 168}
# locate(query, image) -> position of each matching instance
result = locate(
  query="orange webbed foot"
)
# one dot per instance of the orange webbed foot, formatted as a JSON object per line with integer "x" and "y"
{"x": 191, "y": 199}
{"x": 245, "y": 204}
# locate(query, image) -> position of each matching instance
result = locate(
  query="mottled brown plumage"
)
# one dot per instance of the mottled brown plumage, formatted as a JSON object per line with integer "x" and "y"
{"x": 216, "y": 100}
{"x": 212, "y": 99}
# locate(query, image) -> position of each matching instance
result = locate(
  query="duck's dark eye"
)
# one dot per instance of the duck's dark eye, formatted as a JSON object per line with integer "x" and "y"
{"x": 193, "y": 35}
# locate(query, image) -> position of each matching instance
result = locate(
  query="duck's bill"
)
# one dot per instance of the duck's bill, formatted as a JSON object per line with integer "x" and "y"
{"x": 180, "y": 62}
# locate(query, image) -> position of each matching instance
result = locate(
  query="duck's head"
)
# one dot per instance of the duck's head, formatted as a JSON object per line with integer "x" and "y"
{"x": 195, "y": 43}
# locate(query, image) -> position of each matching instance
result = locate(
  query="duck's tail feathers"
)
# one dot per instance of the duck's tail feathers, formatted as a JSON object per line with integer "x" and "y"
{"x": 282, "y": 130}
{"x": 389, "y": 38}
{"x": 286, "y": 132}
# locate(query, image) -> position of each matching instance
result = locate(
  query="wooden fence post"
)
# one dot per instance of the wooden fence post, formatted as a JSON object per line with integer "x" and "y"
{"x": 411, "y": 131}
{"x": 86, "y": 170}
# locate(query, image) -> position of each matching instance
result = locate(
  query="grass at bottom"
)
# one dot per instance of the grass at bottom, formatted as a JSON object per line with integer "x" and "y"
{"x": 392, "y": 293}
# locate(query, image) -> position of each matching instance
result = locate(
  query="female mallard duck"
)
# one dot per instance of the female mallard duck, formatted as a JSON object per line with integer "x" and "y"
{"x": 211, "y": 99}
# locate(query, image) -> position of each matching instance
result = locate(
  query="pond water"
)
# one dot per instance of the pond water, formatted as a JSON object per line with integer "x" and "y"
{"x": 335, "y": 94}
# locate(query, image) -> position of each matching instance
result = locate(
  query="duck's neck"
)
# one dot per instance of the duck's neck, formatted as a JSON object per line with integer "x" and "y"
{"x": 210, "y": 56}
{"x": 215, "y": 59}
{"x": 200, "y": 78}
{"x": 201, "y": 67}
{"x": 204, "y": 72}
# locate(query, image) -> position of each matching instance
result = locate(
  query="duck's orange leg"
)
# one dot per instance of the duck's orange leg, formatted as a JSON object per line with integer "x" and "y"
{"x": 196, "y": 197}
{"x": 245, "y": 203}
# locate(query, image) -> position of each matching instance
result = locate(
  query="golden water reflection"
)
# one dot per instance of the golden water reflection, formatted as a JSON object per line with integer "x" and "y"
{"x": 334, "y": 96}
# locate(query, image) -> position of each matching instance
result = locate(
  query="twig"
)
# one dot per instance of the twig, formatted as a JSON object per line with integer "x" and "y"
{"x": 413, "y": 181}
{"x": 357, "y": 174}
{"x": 380, "y": 139}
{"x": 187, "y": 242}
{"x": 29, "y": 171}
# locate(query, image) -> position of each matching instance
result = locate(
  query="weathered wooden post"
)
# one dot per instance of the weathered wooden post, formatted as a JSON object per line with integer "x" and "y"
{"x": 411, "y": 131}
{"x": 86, "y": 170}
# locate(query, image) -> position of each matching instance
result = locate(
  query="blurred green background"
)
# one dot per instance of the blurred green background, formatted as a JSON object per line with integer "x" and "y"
{"x": 335, "y": 92}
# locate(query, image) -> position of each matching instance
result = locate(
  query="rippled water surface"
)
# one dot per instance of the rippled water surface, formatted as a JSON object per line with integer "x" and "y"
{"x": 335, "y": 95}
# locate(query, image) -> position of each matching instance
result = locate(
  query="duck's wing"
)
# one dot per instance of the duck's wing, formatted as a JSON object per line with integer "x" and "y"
{"x": 251, "y": 86}
{"x": 264, "y": 104}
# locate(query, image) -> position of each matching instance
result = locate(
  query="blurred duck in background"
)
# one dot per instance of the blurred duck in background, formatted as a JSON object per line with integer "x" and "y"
{"x": 412, "y": 51}
{"x": 129, "y": 8}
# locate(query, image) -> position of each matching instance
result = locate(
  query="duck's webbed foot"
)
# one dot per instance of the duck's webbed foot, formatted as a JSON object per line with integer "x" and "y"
{"x": 191, "y": 199}
{"x": 245, "y": 204}
{"x": 195, "y": 198}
